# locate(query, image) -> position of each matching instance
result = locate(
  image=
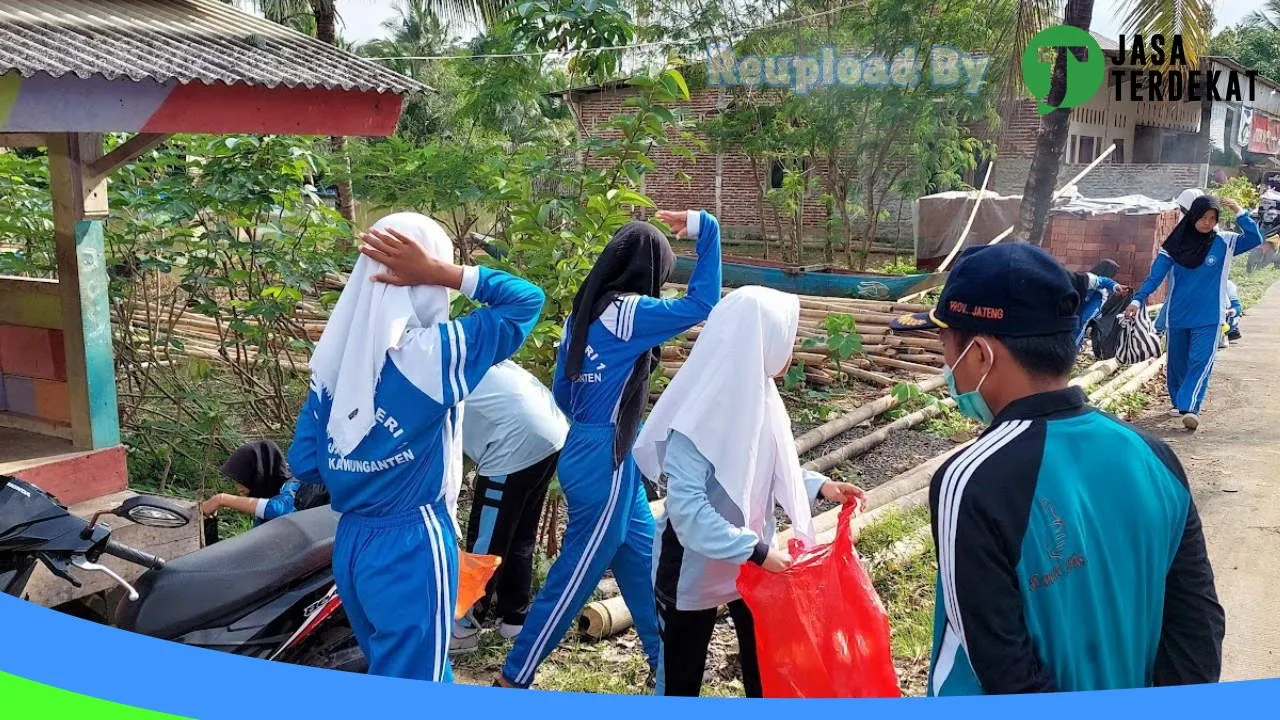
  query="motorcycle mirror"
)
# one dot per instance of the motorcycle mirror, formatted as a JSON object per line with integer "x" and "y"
{"x": 152, "y": 512}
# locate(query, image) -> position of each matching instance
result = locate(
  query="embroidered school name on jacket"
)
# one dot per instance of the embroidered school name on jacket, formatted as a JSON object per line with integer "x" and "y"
{"x": 406, "y": 460}
{"x": 369, "y": 466}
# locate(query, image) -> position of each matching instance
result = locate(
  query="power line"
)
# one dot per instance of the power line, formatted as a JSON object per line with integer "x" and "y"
{"x": 635, "y": 46}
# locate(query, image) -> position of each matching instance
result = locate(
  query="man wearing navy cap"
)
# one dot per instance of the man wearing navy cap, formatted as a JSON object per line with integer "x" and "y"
{"x": 1070, "y": 552}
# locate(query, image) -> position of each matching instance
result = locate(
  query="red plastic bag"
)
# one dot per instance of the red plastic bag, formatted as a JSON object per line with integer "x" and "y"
{"x": 821, "y": 630}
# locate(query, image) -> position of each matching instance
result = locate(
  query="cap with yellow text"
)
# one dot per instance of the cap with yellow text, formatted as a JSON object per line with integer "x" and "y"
{"x": 1008, "y": 290}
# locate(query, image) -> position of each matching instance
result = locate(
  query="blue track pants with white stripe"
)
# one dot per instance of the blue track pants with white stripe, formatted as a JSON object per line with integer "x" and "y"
{"x": 398, "y": 580}
{"x": 1191, "y": 352}
{"x": 610, "y": 527}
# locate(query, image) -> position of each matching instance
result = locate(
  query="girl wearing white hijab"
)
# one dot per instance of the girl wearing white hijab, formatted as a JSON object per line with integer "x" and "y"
{"x": 380, "y": 429}
{"x": 721, "y": 437}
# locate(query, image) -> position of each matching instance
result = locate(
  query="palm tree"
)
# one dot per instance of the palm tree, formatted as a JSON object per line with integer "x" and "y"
{"x": 415, "y": 31}
{"x": 1190, "y": 18}
{"x": 482, "y": 13}
{"x": 1268, "y": 18}
{"x": 301, "y": 15}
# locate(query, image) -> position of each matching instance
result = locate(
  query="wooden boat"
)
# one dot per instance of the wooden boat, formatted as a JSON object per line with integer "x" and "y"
{"x": 820, "y": 280}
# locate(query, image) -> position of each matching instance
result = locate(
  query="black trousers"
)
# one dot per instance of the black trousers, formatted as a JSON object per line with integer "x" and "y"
{"x": 504, "y": 517}
{"x": 686, "y": 636}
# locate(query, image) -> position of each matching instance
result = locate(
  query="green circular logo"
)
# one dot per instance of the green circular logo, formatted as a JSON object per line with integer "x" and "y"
{"x": 1083, "y": 78}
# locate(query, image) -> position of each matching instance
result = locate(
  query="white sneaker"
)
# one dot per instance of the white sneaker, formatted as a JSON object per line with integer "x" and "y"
{"x": 509, "y": 632}
{"x": 1175, "y": 412}
{"x": 1191, "y": 421}
{"x": 466, "y": 635}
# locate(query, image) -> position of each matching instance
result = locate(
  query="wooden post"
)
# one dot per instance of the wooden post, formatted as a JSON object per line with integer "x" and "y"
{"x": 79, "y": 207}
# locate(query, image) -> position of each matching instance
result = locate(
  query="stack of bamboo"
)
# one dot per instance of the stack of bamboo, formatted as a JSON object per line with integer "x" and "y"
{"x": 202, "y": 337}
{"x": 883, "y": 350}
{"x": 886, "y": 356}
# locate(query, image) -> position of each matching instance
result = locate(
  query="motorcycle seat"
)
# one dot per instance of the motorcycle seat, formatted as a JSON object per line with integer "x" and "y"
{"x": 233, "y": 574}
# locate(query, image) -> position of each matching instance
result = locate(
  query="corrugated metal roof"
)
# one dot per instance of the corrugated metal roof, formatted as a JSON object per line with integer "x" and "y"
{"x": 189, "y": 41}
{"x": 1106, "y": 43}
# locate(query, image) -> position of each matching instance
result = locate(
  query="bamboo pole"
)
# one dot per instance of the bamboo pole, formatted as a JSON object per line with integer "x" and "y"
{"x": 1096, "y": 373}
{"x": 1058, "y": 193}
{"x": 842, "y": 424}
{"x": 1135, "y": 383}
{"x": 871, "y": 378}
{"x": 869, "y": 441}
{"x": 1120, "y": 380}
{"x": 955, "y": 250}
{"x": 902, "y": 365}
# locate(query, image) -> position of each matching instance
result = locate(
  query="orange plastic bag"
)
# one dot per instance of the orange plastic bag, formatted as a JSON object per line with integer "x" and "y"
{"x": 821, "y": 630}
{"x": 474, "y": 572}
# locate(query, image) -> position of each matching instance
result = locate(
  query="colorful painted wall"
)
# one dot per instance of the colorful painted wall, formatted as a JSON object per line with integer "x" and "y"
{"x": 33, "y": 374}
{"x": 33, "y": 361}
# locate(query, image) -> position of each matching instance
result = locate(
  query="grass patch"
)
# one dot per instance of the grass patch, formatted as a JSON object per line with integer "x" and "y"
{"x": 1252, "y": 286}
{"x": 1130, "y": 406}
{"x": 907, "y": 591}
{"x": 949, "y": 425}
{"x": 614, "y": 667}
{"x": 895, "y": 525}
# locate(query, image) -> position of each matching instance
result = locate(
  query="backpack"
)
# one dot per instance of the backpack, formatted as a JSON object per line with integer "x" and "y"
{"x": 1138, "y": 339}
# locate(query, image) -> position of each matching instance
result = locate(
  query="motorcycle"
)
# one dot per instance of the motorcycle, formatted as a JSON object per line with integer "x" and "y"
{"x": 266, "y": 593}
{"x": 1268, "y": 218}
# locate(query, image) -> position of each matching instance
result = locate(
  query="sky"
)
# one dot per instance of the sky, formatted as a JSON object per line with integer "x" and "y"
{"x": 363, "y": 18}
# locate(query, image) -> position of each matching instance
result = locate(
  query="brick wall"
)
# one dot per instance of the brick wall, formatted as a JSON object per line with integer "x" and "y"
{"x": 739, "y": 208}
{"x": 1018, "y": 133}
{"x": 1159, "y": 181}
{"x": 1131, "y": 240}
{"x": 33, "y": 374}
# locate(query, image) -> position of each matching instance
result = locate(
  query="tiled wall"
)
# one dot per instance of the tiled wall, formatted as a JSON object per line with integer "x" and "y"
{"x": 33, "y": 373}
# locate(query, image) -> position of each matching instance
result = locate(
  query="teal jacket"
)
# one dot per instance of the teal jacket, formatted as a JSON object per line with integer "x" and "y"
{"x": 1070, "y": 557}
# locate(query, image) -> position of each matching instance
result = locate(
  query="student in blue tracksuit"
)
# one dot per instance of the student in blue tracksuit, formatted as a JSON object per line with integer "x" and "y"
{"x": 1095, "y": 288}
{"x": 610, "y": 348}
{"x": 266, "y": 489}
{"x": 1070, "y": 551}
{"x": 1233, "y": 311}
{"x": 721, "y": 437}
{"x": 381, "y": 430}
{"x": 1184, "y": 200}
{"x": 513, "y": 433}
{"x": 1197, "y": 258}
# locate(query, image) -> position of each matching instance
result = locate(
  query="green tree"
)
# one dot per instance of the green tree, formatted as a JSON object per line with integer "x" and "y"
{"x": 853, "y": 147}
{"x": 417, "y": 32}
{"x": 318, "y": 18}
{"x": 1252, "y": 44}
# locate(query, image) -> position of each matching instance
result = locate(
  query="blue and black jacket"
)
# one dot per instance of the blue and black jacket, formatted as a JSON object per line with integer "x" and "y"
{"x": 1070, "y": 557}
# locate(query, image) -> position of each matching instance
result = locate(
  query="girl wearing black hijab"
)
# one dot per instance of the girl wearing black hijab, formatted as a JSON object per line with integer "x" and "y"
{"x": 1197, "y": 258}
{"x": 1095, "y": 288}
{"x": 611, "y": 346}
{"x": 265, "y": 487}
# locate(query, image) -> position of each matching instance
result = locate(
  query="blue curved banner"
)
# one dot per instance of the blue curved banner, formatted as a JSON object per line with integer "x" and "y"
{"x": 59, "y": 651}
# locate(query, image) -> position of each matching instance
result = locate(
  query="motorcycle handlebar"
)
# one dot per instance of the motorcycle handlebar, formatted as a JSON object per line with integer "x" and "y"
{"x": 128, "y": 554}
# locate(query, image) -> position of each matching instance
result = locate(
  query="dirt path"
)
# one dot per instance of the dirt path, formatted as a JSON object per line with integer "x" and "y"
{"x": 1234, "y": 465}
